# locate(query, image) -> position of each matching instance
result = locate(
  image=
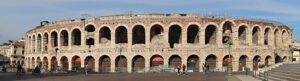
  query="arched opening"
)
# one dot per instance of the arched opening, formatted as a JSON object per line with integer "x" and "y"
{"x": 76, "y": 62}
{"x": 121, "y": 64}
{"x": 284, "y": 38}
{"x": 243, "y": 35}
{"x": 90, "y": 28}
{"x": 174, "y": 61}
{"x": 255, "y": 35}
{"x": 45, "y": 42}
{"x": 89, "y": 63}
{"x": 121, "y": 35}
{"x": 211, "y": 35}
{"x": 29, "y": 44}
{"x": 45, "y": 62}
{"x": 104, "y": 64}
{"x": 53, "y": 63}
{"x": 174, "y": 35}
{"x": 39, "y": 43}
{"x": 267, "y": 36}
{"x": 54, "y": 39}
{"x": 192, "y": 34}
{"x": 32, "y": 63}
{"x": 256, "y": 60}
{"x": 278, "y": 59}
{"x": 33, "y": 43}
{"x": 243, "y": 63}
{"x": 64, "y": 38}
{"x": 284, "y": 59}
{"x": 226, "y": 62}
{"x": 211, "y": 61}
{"x": 156, "y": 60}
{"x": 90, "y": 41}
{"x": 268, "y": 60}
{"x": 105, "y": 35}
{"x": 76, "y": 37}
{"x": 38, "y": 61}
{"x": 138, "y": 35}
{"x": 138, "y": 64}
{"x": 193, "y": 63}
{"x": 64, "y": 62}
{"x": 276, "y": 38}
{"x": 227, "y": 30}
{"x": 156, "y": 33}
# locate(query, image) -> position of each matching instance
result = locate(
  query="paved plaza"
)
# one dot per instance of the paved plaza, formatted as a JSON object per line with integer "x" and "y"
{"x": 165, "y": 76}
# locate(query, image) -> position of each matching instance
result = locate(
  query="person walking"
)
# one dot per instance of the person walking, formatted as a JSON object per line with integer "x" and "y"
{"x": 19, "y": 68}
{"x": 178, "y": 69}
{"x": 207, "y": 68}
{"x": 183, "y": 69}
{"x": 86, "y": 69}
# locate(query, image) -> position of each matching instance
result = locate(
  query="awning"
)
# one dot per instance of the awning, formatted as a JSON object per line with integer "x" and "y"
{"x": 157, "y": 58}
{"x": 227, "y": 59}
{"x": 77, "y": 60}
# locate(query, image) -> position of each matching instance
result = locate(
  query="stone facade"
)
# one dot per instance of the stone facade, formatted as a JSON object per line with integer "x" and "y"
{"x": 144, "y": 41}
{"x": 13, "y": 53}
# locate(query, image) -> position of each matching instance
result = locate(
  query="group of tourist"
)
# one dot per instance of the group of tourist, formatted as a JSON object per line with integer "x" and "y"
{"x": 179, "y": 67}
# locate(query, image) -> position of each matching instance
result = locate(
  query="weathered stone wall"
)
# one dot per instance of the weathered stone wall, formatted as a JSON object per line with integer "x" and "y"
{"x": 159, "y": 45}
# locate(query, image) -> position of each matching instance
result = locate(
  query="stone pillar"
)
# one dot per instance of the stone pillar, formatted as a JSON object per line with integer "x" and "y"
{"x": 147, "y": 41}
{"x": 58, "y": 41}
{"x": 201, "y": 34}
{"x": 219, "y": 65}
{"x": 113, "y": 39}
{"x": 49, "y": 64}
{"x": 42, "y": 44}
{"x": 82, "y": 62}
{"x": 129, "y": 68}
{"x": 96, "y": 38}
{"x": 96, "y": 65}
{"x": 184, "y": 38}
{"x": 219, "y": 38}
{"x": 69, "y": 40}
{"x": 147, "y": 63}
{"x": 83, "y": 39}
{"x": 112, "y": 64}
{"x": 166, "y": 38}
{"x": 70, "y": 65}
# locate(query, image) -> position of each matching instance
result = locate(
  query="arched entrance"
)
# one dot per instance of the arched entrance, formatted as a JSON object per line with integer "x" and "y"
{"x": 268, "y": 60}
{"x": 138, "y": 63}
{"x": 121, "y": 64}
{"x": 89, "y": 62}
{"x": 53, "y": 63}
{"x": 243, "y": 63}
{"x": 211, "y": 61}
{"x": 256, "y": 60}
{"x": 278, "y": 59}
{"x": 193, "y": 63}
{"x": 32, "y": 63}
{"x": 174, "y": 60}
{"x": 45, "y": 63}
{"x": 156, "y": 60}
{"x": 226, "y": 62}
{"x": 76, "y": 62}
{"x": 64, "y": 62}
{"x": 38, "y": 61}
{"x": 211, "y": 35}
{"x": 104, "y": 64}
{"x": 174, "y": 35}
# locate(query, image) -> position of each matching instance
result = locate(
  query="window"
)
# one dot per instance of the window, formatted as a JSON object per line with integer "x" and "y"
{"x": 15, "y": 52}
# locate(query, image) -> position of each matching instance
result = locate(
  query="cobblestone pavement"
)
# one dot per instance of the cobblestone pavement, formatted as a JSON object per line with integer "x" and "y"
{"x": 165, "y": 76}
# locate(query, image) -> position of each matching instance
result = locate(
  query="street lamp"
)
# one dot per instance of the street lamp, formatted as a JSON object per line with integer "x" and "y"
{"x": 229, "y": 43}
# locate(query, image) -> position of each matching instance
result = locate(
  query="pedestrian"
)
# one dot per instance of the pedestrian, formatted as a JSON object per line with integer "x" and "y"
{"x": 203, "y": 67}
{"x": 23, "y": 69}
{"x": 178, "y": 69}
{"x": 183, "y": 69}
{"x": 207, "y": 68}
{"x": 86, "y": 69}
{"x": 19, "y": 68}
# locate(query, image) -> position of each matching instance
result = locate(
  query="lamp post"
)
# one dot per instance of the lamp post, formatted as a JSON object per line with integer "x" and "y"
{"x": 229, "y": 43}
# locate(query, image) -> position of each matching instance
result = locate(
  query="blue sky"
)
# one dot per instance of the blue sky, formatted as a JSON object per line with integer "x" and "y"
{"x": 19, "y": 16}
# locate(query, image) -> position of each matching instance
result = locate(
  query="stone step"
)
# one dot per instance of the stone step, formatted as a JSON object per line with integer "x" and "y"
{"x": 292, "y": 76}
{"x": 272, "y": 78}
{"x": 287, "y": 72}
{"x": 283, "y": 77}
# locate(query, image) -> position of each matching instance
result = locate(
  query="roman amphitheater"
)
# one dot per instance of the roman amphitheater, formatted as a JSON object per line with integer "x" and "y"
{"x": 150, "y": 41}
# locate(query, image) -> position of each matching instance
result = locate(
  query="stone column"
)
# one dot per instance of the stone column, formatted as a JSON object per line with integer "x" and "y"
{"x": 58, "y": 41}
{"x": 112, "y": 65}
{"x": 69, "y": 40}
{"x": 147, "y": 63}
{"x": 129, "y": 68}
{"x": 166, "y": 38}
{"x": 147, "y": 41}
{"x": 83, "y": 40}
{"x": 96, "y": 65}
{"x": 96, "y": 38}
{"x": 82, "y": 62}
{"x": 113, "y": 39}
{"x": 49, "y": 64}
{"x": 201, "y": 34}
{"x": 42, "y": 44}
{"x": 70, "y": 65}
